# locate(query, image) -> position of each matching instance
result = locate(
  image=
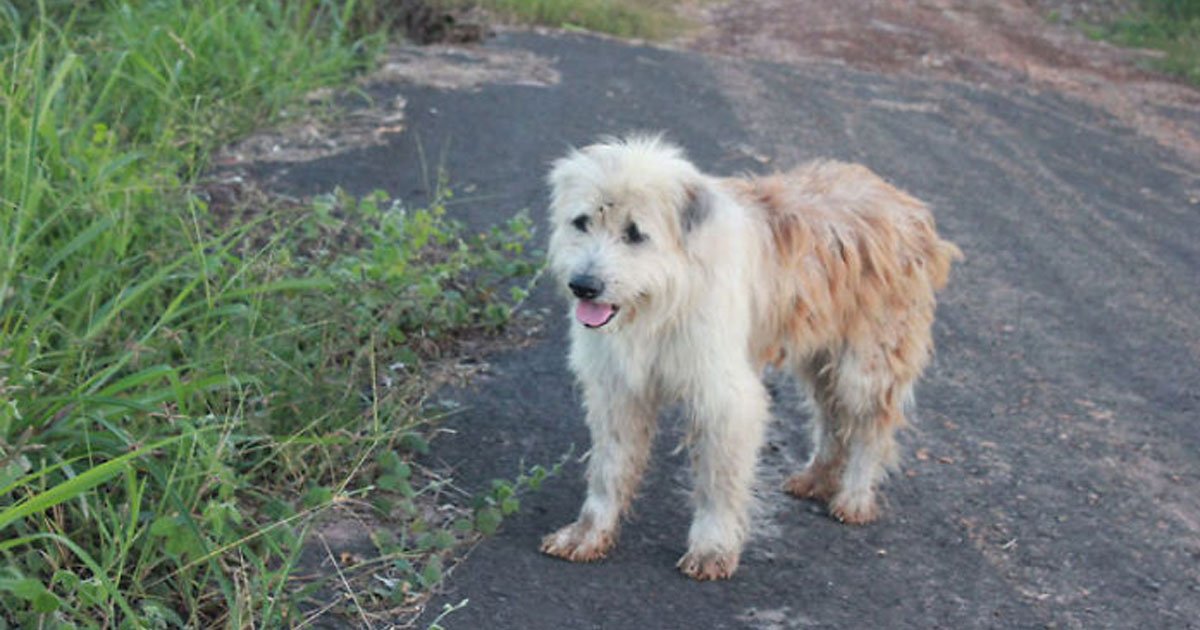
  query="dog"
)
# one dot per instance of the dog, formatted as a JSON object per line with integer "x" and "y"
{"x": 685, "y": 287}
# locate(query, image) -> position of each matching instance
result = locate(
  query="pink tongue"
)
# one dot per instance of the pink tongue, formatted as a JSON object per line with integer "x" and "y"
{"x": 593, "y": 313}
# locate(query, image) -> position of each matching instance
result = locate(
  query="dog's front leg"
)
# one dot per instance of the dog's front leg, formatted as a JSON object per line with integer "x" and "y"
{"x": 728, "y": 422}
{"x": 622, "y": 428}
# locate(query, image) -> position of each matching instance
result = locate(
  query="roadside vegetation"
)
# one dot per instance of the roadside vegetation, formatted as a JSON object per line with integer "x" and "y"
{"x": 186, "y": 389}
{"x": 645, "y": 19}
{"x": 1169, "y": 26}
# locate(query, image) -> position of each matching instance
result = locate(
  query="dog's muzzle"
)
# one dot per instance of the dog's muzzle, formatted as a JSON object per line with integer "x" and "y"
{"x": 588, "y": 311}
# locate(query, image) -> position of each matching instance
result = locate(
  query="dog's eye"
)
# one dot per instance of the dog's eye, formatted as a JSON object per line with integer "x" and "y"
{"x": 633, "y": 234}
{"x": 581, "y": 222}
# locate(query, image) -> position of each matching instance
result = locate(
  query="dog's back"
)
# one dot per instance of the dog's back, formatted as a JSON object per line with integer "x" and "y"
{"x": 854, "y": 250}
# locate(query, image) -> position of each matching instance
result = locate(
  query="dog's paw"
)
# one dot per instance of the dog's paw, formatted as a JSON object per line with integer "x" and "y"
{"x": 812, "y": 483}
{"x": 854, "y": 509}
{"x": 578, "y": 543}
{"x": 709, "y": 565}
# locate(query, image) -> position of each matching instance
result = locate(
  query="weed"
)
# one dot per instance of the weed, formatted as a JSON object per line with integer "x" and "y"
{"x": 654, "y": 19}
{"x": 417, "y": 559}
{"x": 182, "y": 391}
{"x": 1171, "y": 26}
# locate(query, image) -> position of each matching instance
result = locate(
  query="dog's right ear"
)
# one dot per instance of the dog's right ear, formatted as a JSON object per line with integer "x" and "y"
{"x": 697, "y": 207}
{"x": 560, "y": 172}
{"x": 570, "y": 170}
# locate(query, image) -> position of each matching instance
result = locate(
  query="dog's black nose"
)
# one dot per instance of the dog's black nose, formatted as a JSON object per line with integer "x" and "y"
{"x": 586, "y": 287}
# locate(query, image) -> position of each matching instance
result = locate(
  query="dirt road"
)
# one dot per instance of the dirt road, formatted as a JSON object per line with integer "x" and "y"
{"x": 1053, "y": 478}
{"x": 1010, "y": 44}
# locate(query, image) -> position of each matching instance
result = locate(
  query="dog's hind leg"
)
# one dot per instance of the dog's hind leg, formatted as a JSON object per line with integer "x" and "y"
{"x": 820, "y": 478}
{"x": 871, "y": 404}
{"x": 622, "y": 429}
{"x": 729, "y": 416}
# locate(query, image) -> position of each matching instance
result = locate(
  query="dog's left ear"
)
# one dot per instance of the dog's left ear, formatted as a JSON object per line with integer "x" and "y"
{"x": 698, "y": 205}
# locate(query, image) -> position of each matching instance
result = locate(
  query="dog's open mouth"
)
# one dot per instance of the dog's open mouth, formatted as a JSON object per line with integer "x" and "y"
{"x": 595, "y": 314}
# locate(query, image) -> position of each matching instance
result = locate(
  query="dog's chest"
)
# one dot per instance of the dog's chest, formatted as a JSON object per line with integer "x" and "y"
{"x": 666, "y": 362}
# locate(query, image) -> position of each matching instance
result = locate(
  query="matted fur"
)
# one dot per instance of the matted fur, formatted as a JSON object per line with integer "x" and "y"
{"x": 826, "y": 271}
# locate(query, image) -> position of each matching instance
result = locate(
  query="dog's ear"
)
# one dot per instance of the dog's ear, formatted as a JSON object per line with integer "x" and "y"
{"x": 561, "y": 171}
{"x": 697, "y": 207}
{"x": 578, "y": 165}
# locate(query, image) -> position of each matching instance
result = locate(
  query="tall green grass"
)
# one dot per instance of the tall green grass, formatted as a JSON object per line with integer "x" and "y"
{"x": 647, "y": 19}
{"x": 1171, "y": 26}
{"x": 181, "y": 390}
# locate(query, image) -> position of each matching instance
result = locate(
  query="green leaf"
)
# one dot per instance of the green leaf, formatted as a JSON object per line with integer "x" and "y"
{"x": 414, "y": 442}
{"x": 402, "y": 470}
{"x": 91, "y": 592}
{"x": 278, "y": 510}
{"x": 183, "y": 542}
{"x": 487, "y": 520}
{"x": 74, "y": 486}
{"x": 81, "y": 240}
{"x": 316, "y": 496}
{"x": 405, "y": 355}
{"x": 290, "y": 284}
{"x": 501, "y": 489}
{"x": 388, "y": 460}
{"x": 164, "y": 526}
{"x": 33, "y": 591}
{"x": 393, "y": 483}
{"x": 389, "y": 483}
{"x": 443, "y": 539}
{"x": 432, "y": 573}
{"x": 536, "y": 476}
{"x": 24, "y": 588}
{"x": 65, "y": 580}
{"x": 12, "y": 472}
{"x": 382, "y": 505}
{"x": 407, "y": 508}
{"x": 107, "y": 585}
{"x": 385, "y": 540}
{"x": 510, "y": 505}
{"x": 45, "y": 602}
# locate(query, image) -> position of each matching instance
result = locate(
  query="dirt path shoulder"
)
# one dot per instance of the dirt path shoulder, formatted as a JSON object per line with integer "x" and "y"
{"x": 1006, "y": 43}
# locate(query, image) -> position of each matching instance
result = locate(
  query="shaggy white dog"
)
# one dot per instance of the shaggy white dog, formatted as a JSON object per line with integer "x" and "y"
{"x": 685, "y": 286}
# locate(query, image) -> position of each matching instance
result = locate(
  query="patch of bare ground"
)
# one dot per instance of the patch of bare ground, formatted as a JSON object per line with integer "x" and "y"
{"x": 996, "y": 42}
{"x": 331, "y": 123}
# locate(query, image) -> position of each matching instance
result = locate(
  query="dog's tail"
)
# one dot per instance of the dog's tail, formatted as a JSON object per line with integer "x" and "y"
{"x": 945, "y": 254}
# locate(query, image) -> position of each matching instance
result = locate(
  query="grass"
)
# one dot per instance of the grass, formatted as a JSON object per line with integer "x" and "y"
{"x": 185, "y": 389}
{"x": 645, "y": 19}
{"x": 1170, "y": 26}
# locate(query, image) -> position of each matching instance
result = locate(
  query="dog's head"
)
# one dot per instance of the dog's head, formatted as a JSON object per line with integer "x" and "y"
{"x": 621, "y": 212}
